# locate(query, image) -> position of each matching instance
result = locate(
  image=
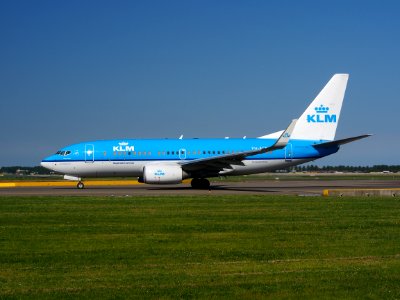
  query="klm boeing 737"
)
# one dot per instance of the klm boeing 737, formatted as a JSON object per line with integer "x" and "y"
{"x": 169, "y": 161}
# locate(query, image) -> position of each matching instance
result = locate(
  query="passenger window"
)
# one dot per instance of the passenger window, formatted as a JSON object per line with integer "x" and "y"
{"x": 149, "y": 153}
{"x": 159, "y": 153}
{"x": 104, "y": 153}
{"x": 213, "y": 152}
{"x": 167, "y": 152}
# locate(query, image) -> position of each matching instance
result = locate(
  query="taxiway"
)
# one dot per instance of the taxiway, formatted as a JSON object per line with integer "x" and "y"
{"x": 256, "y": 187}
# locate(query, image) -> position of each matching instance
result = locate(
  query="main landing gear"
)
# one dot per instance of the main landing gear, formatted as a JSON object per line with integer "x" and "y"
{"x": 200, "y": 183}
{"x": 80, "y": 185}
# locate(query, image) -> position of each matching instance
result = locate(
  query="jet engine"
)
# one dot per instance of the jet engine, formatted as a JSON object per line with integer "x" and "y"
{"x": 162, "y": 174}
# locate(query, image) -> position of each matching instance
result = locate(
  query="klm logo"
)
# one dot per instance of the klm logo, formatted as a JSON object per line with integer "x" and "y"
{"x": 123, "y": 146}
{"x": 159, "y": 173}
{"x": 321, "y": 116}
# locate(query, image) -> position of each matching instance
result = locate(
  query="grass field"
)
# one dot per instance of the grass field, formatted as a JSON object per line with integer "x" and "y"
{"x": 247, "y": 247}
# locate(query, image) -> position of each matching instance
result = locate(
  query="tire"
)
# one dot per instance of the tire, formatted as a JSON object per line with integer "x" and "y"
{"x": 205, "y": 184}
{"x": 200, "y": 183}
{"x": 80, "y": 185}
{"x": 195, "y": 183}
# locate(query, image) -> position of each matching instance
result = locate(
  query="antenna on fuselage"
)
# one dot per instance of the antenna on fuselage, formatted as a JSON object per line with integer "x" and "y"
{"x": 181, "y": 137}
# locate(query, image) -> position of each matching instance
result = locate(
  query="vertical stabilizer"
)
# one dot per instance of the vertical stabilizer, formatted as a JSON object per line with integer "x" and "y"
{"x": 320, "y": 119}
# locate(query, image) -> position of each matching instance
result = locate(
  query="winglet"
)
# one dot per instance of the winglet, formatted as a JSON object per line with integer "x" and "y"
{"x": 285, "y": 136}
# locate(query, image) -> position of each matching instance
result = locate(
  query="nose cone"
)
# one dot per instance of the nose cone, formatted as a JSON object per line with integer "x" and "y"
{"x": 47, "y": 163}
{"x": 44, "y": 164}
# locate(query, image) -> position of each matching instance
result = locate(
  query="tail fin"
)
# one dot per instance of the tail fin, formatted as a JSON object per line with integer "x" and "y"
{"x": 319, "y": 121}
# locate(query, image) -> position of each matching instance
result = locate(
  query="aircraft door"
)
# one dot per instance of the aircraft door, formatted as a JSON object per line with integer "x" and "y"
{"x": 89, "y": 153}
{"x": 288, "y": 152}
{"x": 182, "y": 154}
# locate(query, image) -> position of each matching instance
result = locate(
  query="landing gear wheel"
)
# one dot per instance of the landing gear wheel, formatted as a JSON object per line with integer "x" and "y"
{"x": 195, "y": 183}
{"x": 80, "y": 185}
{"x": 205, "y": 184}
{"x": 200, "y": 183}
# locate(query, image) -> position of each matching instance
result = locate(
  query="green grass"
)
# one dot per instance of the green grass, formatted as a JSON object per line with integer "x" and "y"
{"x": 247, "y": 247}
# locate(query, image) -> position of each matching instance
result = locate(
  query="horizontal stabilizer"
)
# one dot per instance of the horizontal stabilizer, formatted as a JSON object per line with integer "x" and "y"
{"x": 274, "y": 135}
{"x": 341, "y": 142}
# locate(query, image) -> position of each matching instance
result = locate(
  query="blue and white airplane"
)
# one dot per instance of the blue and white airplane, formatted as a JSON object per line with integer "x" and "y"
{"x": 169, "y": 161}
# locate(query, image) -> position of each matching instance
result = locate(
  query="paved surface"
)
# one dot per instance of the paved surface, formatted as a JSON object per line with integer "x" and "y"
{"x": 258, "y": 187}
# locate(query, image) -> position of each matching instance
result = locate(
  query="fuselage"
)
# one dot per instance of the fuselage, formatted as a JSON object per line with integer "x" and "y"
{"x": 128, "y": 157}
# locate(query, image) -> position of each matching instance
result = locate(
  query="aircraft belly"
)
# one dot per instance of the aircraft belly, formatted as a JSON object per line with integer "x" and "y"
{"x": 104, "y": 169}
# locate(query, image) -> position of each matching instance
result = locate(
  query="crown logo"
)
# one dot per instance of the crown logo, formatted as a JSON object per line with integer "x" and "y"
{"x": 322, "y": 109}
{"x": 123, "y": 144}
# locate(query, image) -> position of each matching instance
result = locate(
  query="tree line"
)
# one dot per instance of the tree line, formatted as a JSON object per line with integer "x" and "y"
{"x": 25, "y": 170}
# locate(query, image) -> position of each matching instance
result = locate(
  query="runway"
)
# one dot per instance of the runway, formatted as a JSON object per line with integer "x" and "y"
{"x": 256, "y": 187}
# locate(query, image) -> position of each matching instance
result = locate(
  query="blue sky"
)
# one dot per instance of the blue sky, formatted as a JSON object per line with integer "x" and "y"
{"x": 72, "y": 71}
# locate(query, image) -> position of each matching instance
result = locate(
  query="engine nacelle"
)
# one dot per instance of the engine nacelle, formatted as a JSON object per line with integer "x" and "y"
{"x": 162, "y": 174}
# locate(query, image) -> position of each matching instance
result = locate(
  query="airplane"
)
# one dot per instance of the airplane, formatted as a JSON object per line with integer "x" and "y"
{"x": 170, "y": 161}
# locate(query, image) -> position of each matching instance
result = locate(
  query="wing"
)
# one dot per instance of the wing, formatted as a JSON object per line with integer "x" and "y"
{"x": 212, "y": 165}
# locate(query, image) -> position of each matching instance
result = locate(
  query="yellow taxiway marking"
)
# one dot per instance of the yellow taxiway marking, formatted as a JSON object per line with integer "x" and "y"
{"x": 71, "y": 183}
{"x": 7, "y": 184}
{"x": 66, "y": 183}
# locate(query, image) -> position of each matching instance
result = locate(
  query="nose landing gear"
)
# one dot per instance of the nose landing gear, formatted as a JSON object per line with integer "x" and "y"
{"x": 80, "y": 185}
